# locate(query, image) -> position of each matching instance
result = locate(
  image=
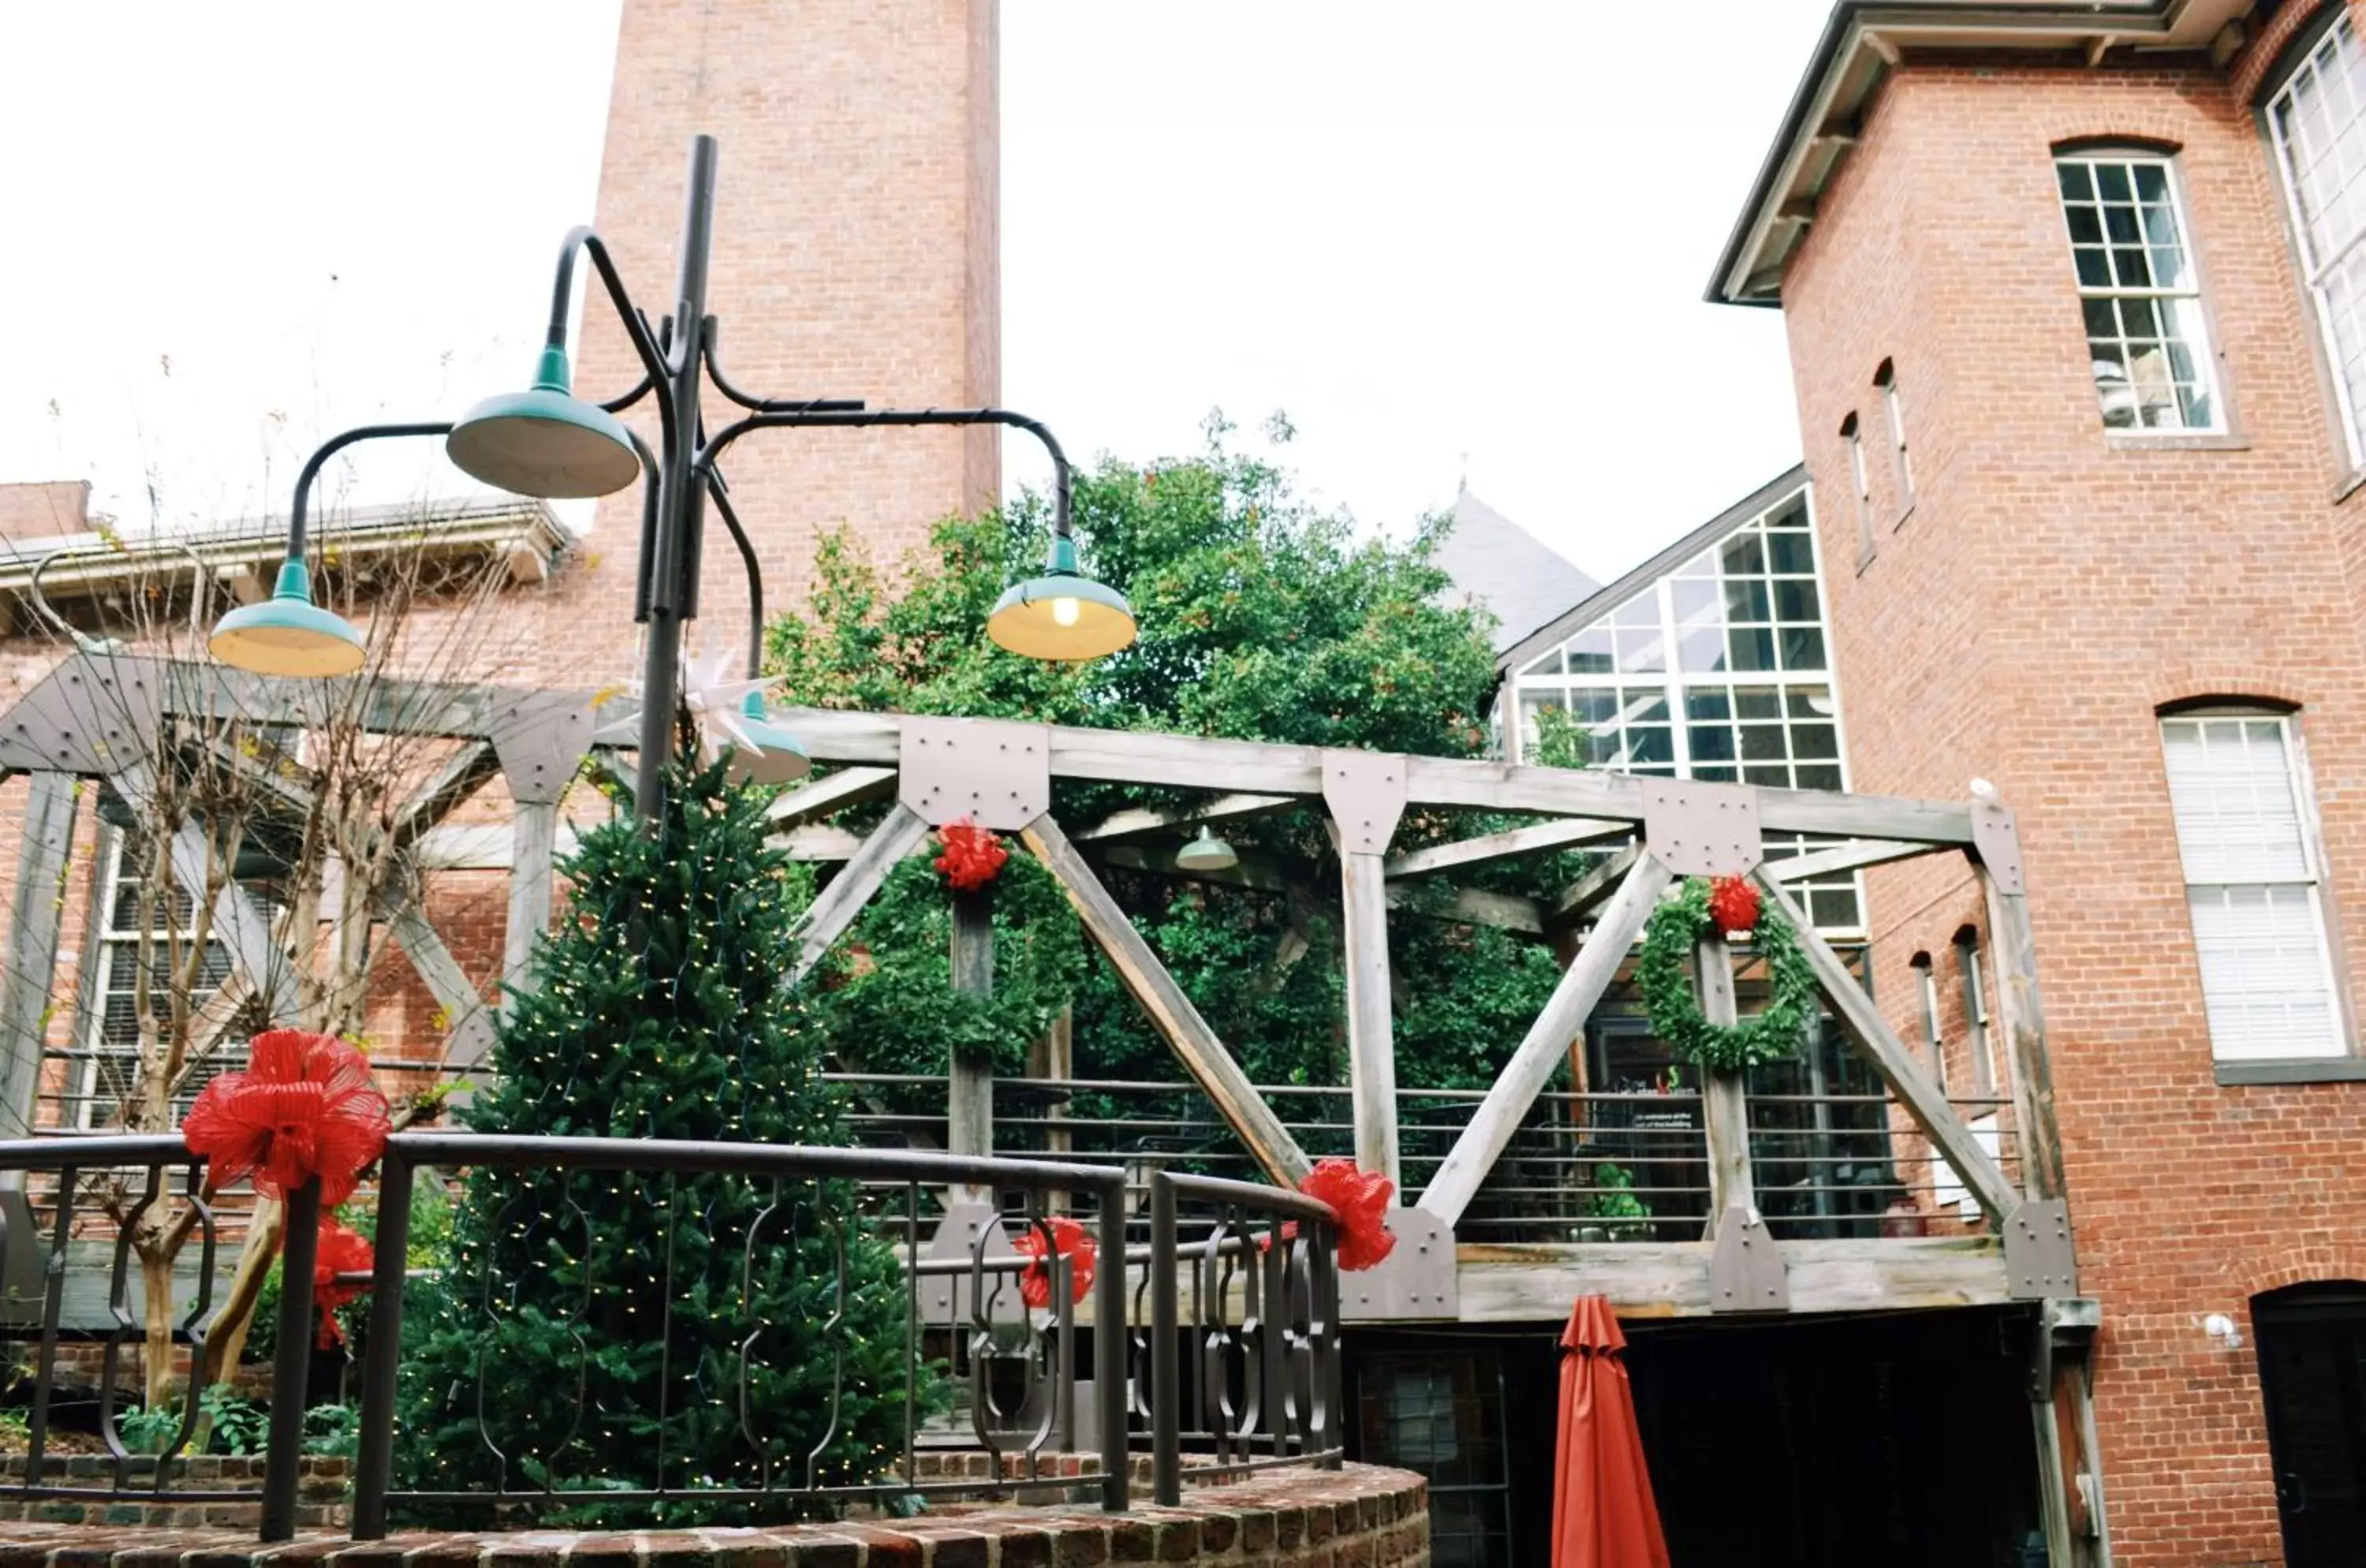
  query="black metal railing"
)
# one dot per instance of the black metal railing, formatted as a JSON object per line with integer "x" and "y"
{"x": 981, "y": 1367}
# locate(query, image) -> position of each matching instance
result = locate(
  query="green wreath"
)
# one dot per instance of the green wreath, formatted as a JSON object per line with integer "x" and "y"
{"x": 1673, "y": 1004}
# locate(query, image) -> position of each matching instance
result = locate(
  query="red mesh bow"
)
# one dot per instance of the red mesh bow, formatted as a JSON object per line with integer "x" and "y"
{"x": 1360, "y": 1200}
{"x": 1733, "y": 905}
{"x": 973, "y": 855}
{"x": 341, "y": 1252}
{"x": 304, "y": 1107}
{"x": 1068, "y": 1241}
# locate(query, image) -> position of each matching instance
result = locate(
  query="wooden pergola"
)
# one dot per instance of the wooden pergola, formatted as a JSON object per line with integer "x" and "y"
{"x": 92, "y": 718}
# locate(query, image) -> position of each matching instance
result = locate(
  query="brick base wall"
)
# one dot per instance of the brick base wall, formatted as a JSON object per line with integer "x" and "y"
{"x": 1360, "y": 1517}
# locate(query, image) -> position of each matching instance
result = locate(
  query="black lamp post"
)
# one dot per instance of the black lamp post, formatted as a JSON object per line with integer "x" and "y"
{"x": 547, "y": 441}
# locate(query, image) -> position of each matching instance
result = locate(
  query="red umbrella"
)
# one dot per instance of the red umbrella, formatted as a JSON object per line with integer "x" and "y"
{"x": 1602, "y": 1513}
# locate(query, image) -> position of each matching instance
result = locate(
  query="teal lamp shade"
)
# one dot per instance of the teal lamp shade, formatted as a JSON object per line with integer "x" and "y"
{"x": 288, "y": 634}
{"x": 545, "y": 441}
{"x": 777, "y": 757}
{"x": 1063, "y": 615}
{"x": 1207, "y": 852}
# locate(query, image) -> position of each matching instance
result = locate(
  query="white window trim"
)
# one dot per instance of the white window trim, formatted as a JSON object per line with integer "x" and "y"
{"x": 108, "y": 945}
{"x": 1854, "y": 434}
{"x": 2303, "y": 790}
{"x": 1894, "y": 408}
{"x": 2313, "y": 269}
{"x": 2205, "y": 353}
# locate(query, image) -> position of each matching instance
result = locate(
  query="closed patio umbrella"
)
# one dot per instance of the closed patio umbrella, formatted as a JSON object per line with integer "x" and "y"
{"x": 1604, "y": 1516}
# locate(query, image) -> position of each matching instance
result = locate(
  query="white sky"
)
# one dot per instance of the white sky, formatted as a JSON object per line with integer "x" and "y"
{"x": 1439, "y": 236}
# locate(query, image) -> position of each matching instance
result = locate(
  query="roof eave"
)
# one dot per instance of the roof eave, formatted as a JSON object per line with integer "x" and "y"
{"x": 1861, "y": 41}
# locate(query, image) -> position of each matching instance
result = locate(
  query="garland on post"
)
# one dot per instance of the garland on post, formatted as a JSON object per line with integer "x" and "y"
{"x": 1672, "y": 1003}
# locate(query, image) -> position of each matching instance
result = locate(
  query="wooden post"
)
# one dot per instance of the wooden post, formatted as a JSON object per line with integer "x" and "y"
{"x": 2023, "y": 1019}
{"x": 1725, "y": 1103}
{"x": 534, "y": 844}
{"x": 37, "y": 902}
{"x": 1581, "y": 986}
{"x": 1194, "y": 1043}
{"x": 969, "y": 1080}
{"x": 467, "y": 1022}
{"x": 1371, "y": 1046}
{"x": 1053, "y": 1059}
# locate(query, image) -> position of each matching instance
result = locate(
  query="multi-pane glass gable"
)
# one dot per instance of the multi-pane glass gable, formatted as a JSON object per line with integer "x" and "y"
{"x": 1718, "y": 670}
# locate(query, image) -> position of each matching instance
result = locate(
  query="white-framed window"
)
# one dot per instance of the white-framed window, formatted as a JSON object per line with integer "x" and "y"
{"x": 1946, "y": 1186}
{"x": 2318, "y": 122}
{"x": 109, "y": 1036}
{"x": 1861, "y": 482}
{"x": 2139, "y": 290}
{"x": 2240, "y": 797}
{"x": 1717, "y": 669}
{"x": 1894, "y": 408}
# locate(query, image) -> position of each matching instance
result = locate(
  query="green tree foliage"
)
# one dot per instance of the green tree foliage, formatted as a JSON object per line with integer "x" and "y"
{"x": 658, "y": 1010}
{"x": 1262, "y": 618}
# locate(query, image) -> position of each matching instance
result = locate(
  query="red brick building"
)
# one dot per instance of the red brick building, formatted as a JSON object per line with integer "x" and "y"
{"x": 2071, "y": 292}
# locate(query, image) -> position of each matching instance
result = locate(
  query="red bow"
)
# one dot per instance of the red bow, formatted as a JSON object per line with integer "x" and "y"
{"x": 1361, "y": 1201}
{"x": 973, "y": 855}
{"x": 1733, "y": 905}
{"x": 1068, "y": 1241}
{"x": 341, "y": 1252}
{"x": 305, "y": 1107}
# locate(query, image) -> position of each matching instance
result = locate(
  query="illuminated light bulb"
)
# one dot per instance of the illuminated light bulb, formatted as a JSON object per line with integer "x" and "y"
{"x": 1065, "y": 611}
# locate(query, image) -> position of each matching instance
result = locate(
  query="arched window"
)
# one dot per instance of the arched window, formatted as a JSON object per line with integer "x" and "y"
{"x": 2132, "y": 258}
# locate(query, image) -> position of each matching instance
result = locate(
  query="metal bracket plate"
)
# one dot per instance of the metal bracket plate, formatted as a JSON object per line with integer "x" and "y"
{"x": 1746, "y": 1272}
{"x": 945, "y": 1298}
{"x": 1995, "y": 834}
{"x": 542, "y": 738}
{"x": 93, "y": 715}
{"x": 1417, "y": 1280}
{"x": 1364, "y": 792}
{"x": 997, "y": 773}
{"x": 2039, "y": 1260}
{"x": 1702, "y": 829}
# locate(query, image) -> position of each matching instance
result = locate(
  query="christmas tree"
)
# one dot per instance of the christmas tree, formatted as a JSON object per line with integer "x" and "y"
{"x": 613, "y": 1330}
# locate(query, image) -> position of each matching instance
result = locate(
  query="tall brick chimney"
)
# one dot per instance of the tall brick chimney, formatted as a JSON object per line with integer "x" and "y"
{"x": 856, "y": 255}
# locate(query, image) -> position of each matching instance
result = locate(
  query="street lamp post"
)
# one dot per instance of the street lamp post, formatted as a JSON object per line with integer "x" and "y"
{"x": 547, "y": 441}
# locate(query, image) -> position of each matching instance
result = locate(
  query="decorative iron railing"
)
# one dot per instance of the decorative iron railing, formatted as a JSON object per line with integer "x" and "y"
{"x": 1093, "y": 1376}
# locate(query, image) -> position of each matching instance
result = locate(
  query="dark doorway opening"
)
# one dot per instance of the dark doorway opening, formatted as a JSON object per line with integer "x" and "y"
{"x": 2311, "y": 1350}
{"x": 1773, "y": 1443}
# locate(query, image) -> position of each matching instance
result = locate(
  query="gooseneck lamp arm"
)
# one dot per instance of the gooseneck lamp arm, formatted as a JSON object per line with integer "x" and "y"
{"x": 790, "y": 416}
{"x": 299, "y": 510}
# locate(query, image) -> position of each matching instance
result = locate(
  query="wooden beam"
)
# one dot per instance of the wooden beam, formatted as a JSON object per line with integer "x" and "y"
{"x": 1139, "y": 822}
{"x": 1581, "y": 986}
{"x": 1534, "y": 1283}
{"x": 2023, "y": 1014}
{"x": 848, "y": 787}
{"x": 1372, "y": 1044}
{"x": 818, "y": 841}
{"x": 829, "y": 916}
{"x": 1462, "y": 905}
{"x": 534, "y": 843}
{"x": 969, "y": 1078}
{"x": 1923, "y": 1100}
{"x": 1186, "y": 1033}
{"x": 1725, "y": 1102}
{"x": 1473, "y": 906}
{"x": 1577, "y": 900}
{"x": 1854, "y": 855}
{"x": 1504, "y": 845}
{"x": 1196, "y": 762}
{"x": 468, "y": 1020}
{"x": 464, "y": 772}
{"x": 36, "y": 906}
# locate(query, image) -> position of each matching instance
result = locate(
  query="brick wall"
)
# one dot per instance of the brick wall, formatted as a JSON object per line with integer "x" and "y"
{"x": 2048, "y": 591}
{"x": 1360, "y": 1517}
{"x": 856, "y": 255}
